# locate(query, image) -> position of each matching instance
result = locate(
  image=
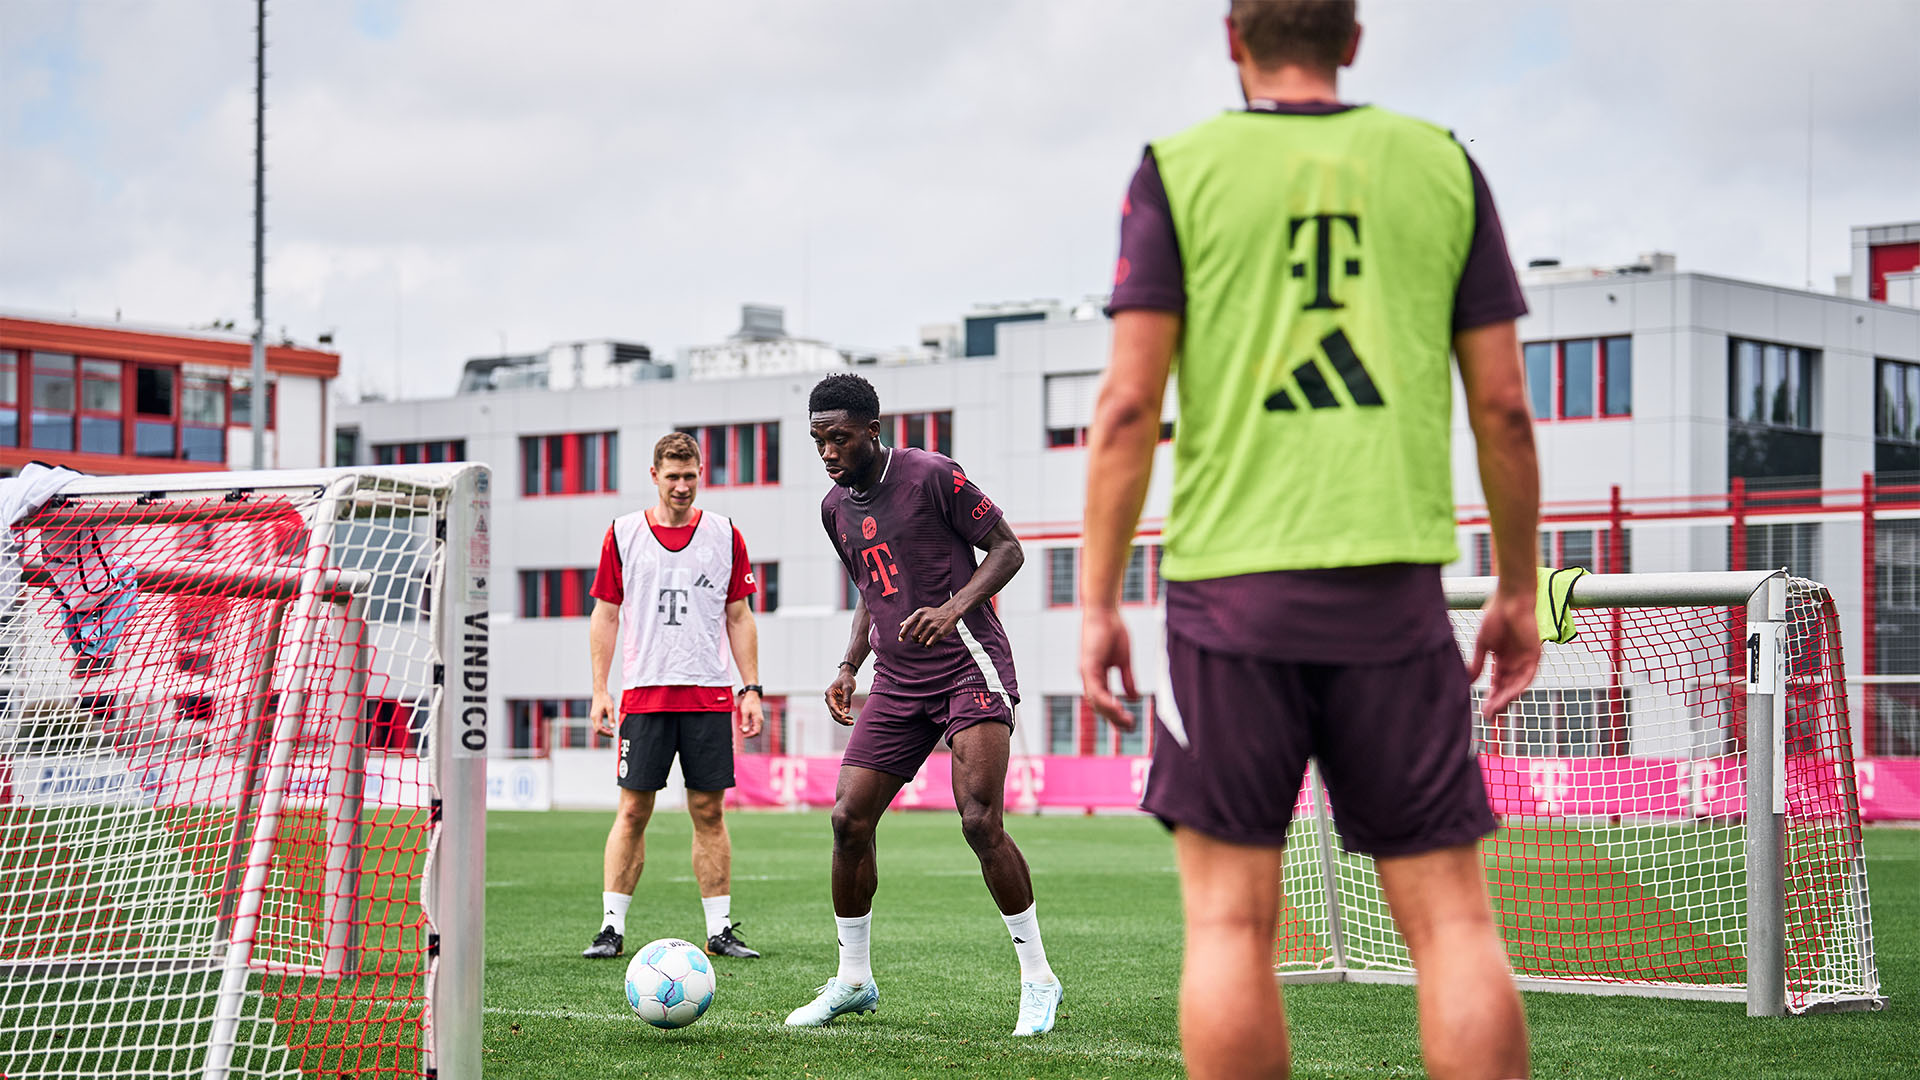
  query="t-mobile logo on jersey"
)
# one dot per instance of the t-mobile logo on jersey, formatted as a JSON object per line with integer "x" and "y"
{"x": 673, "y": 604}
{"x": 879, "y": 558}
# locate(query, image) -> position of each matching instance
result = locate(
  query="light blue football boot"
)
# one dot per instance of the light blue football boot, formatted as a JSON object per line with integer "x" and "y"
{"x": 1039, "y": 1001}
{"x": 837, "y": 999}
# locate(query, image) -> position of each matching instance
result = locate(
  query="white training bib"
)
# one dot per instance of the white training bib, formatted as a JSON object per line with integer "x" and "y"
{"x": 673, "y": 623}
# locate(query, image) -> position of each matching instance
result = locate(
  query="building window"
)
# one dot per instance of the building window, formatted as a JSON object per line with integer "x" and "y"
{"x": 101, "y": 416}
{"x": 9, "y": 399}
{"x": 1069, "y": 407}
{"x": 571, "y": 464}
{"x": 1074, "y": 730}
{"x": 1063, "y": 724}
{"x": 1896, "y": 413}
{"x": 1580, "y": 379}
{"x": 774, "y": 737}
{"x": 925, "y": 430}
{"x": 1555, "y": 723}
{"x": 542, "y": 724}
{"x": 556, "y": 594}
{"x": 739, "y": 455}
{"x": 1588, "y": 548}
{"x": 153, "y": 421}
{"x": 203, "y": 419}
{"x": 346, "y": 446}
{"x": 53, "y": 401}
{"x": 766, "y": 599}
{"x": 1063, "y": 571}
{"x": 849, "y": 594}
{"x": 242, "y": 397}
{"x": 1793, "y": 545}
{"x": 421, "y": 453}
{"x": 1770, "y": 384}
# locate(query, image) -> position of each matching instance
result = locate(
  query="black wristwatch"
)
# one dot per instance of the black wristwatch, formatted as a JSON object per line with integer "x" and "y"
{"x": 751, "y": 687}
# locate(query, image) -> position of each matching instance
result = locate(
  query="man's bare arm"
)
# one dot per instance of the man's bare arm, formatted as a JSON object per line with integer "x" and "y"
{"x": 1126, "y": 428}
{"x": 1497, "y": 409}
{"x": 601, "y": 628}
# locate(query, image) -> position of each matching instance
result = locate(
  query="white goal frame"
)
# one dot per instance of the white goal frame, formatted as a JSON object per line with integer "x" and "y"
{"x": 452, "y": 887}
{"x": 1764, "y": 596}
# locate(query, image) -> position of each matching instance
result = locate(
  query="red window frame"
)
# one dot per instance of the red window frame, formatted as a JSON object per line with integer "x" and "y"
{"x": 893, "y": 430}
{"x": 273, "y": 407}
{"x": 1091, "y": 733}
{"x": 420, "y": 453}
{"x": 1602, "y": 347}
{"x": 729, "y": 435}
{"x": 543, "y": 715}
{"x": 554, "y": 593}
{"x": 776, "y": 732}
{"x": 1151, "y": 589}
{"x": 82, "y": 414}
{"x": 566, "y": 446}
{"x": 1052, "y": 570}
{"x": 181, "y": 385}
{"x": 12, "y": 363}
{"x": 1558, "y": 392}
{"x": 762, "y": 596}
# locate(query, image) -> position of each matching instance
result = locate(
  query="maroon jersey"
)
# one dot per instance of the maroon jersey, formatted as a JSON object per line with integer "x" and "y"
{"x": 908, "y": 543}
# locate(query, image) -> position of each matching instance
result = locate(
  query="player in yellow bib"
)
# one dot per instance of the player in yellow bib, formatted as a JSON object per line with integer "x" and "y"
{"x": 1309, "y": 268}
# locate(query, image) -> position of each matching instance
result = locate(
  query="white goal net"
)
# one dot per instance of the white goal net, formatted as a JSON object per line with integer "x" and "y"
{"x": 240, "y": 802}
{"x": 1677, "y": 804}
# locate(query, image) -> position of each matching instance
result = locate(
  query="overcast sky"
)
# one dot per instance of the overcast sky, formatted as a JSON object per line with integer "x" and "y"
{"x": 449, "y": 175}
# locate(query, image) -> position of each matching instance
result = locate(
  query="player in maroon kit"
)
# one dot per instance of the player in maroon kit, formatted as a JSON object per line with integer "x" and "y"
{"x": 905, "y": 523}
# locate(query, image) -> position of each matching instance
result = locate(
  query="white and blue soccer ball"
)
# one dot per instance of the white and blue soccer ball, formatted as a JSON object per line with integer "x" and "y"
{"x": 670, "y": 983}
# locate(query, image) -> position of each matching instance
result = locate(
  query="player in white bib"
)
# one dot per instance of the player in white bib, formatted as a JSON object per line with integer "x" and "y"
{"x": 674, "y": 581}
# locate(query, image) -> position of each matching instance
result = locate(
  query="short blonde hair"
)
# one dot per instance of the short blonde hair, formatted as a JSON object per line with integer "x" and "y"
{"x": 677, "y": 445}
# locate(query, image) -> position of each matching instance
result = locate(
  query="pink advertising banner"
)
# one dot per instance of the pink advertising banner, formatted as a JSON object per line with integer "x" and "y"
{"x": 1523, "y": 787}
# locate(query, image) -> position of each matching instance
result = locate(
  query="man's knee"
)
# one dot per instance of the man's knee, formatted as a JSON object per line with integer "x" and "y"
{"x": 981, "y": 824}
{"x": 634, "y": 810}
{"x": 850, "y": 829}
{"x": 708, "y": 810}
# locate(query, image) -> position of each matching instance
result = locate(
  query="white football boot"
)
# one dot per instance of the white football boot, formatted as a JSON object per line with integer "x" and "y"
{"x": 838, "y": 999}
{"x": 1039, "y": 1001}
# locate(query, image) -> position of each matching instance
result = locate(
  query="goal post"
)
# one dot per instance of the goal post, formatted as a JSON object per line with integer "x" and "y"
{"x": 1678, "y": 810}
{"x": 243, "y": 729}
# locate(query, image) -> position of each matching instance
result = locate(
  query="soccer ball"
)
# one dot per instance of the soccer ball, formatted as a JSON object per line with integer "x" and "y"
{"x": 670, "y": 983}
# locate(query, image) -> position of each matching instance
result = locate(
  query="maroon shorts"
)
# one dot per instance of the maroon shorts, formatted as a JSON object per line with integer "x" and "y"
{"x": 895, "y": 733}
{"x": 1394, "y": 742}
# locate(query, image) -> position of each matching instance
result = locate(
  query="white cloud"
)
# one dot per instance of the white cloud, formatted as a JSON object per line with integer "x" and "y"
{"x": 637, "y": 170}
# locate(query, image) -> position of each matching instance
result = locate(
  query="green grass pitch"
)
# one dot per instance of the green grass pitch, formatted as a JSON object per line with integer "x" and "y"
{"x": 1109, "y": 906}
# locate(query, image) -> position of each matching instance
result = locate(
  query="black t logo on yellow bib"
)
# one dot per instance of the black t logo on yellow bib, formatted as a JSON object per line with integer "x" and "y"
{"x": 1323, "y": 256}
{"x": 1337, "y": 349}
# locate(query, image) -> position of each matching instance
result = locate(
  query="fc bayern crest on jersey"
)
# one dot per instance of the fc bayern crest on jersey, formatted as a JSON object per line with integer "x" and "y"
{"x": 868, "y": 529}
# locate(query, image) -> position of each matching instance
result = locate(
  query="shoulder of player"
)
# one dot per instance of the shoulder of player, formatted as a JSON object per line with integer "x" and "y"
{"x": 1412, "y": 126}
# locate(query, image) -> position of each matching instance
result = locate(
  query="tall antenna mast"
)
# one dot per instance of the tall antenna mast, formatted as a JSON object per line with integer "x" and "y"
{"x": 257, "y": 388}
{"x": 1809, "y": 180}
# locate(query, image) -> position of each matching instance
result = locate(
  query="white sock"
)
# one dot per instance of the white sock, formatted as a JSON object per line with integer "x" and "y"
{"x": 856, "y": 958}
{"x": 613, "y": 911}
{"x": 1025, "y": 928}
{"x": 719, "y": 911}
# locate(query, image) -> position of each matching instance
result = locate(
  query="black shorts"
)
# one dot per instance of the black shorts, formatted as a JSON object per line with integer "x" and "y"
{"x": 648, "y": 741}
{"x": 1394, "y": 742}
